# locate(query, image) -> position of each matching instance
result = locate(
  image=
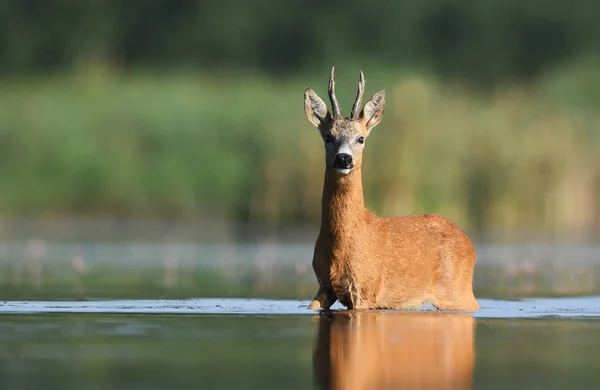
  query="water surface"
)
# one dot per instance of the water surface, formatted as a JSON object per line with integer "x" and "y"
{"x": 490, "y": 308}
{"x": 38, "y": 269}
{"x": 127, "y": 312}
{"x": 340, "y": 350}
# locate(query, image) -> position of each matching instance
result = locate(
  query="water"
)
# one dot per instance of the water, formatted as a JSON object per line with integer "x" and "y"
{"x": 230, "y": 348}
{"x": 174, "y": 312}
{"x": 490, "y": 308}
{"x": 48, "y": 270}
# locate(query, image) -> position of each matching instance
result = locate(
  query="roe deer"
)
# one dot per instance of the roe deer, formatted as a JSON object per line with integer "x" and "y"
{"x": 363, "y": 350}
{"x": 371, "y": 262}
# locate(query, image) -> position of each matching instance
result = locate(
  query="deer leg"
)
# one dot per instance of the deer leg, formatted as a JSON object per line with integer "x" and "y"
{"x": 323, "y": 300}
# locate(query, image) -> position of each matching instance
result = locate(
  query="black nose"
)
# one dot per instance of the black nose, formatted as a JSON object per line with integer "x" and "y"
{"x": 343, "y": 161}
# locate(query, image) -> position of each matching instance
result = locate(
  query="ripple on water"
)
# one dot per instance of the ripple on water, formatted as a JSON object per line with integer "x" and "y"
{"x": 588, "y": 306}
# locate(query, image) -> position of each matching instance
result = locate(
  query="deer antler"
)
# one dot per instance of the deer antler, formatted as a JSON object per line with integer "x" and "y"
{"x": 335, "y": 106}
{"x": 361, "y": 91}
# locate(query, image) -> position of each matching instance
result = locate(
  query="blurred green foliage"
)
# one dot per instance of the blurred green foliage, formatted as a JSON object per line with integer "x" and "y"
{"x": 193, "y": 108}
{"x": 241, "y": 148}
{"x": 482, "y": 41}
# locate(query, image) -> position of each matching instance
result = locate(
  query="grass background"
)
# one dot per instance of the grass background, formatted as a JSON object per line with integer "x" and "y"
{"x": 237, "y": 146}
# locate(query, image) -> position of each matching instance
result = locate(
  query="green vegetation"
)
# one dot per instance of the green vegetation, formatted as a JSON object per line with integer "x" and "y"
{"x": 480, "y": 42}
{"x": 239, "y": 147}
{"x": 193, "y": 108}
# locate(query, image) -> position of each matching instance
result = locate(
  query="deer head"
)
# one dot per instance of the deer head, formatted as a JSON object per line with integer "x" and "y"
{"x": 344, "y": 137}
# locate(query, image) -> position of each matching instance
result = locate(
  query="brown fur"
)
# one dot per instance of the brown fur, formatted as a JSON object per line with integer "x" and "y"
{"x": 374, "y": 350}
{"x": 371, "y": 262}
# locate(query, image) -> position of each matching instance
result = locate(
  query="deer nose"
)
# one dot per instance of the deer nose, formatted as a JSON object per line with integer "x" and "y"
{"x": 343, "y": 161}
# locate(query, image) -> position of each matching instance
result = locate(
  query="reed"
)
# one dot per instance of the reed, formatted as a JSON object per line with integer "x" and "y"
{"x": 205, "y": 146}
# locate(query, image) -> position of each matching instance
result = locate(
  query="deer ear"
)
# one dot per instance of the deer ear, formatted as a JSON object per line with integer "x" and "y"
{"x": 372, "y": 113}
{"x": 315, "y": 108}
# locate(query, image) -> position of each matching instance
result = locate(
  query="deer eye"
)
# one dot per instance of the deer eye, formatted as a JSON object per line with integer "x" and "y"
{"x": 328, "y": 139}
{"x": 361, "y": 140}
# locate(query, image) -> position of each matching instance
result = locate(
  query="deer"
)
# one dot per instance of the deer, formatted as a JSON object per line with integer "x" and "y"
{"x": 370, "y": 262}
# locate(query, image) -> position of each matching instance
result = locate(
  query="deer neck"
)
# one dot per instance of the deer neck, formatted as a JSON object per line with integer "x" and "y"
{"x": 343, "y": 205}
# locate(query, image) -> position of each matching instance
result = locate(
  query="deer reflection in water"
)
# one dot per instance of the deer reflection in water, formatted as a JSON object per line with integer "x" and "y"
{"x": 375, "y": 350}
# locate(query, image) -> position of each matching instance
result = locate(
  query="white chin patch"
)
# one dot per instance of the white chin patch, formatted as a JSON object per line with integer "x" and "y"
{"x": 343, "y": 171}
